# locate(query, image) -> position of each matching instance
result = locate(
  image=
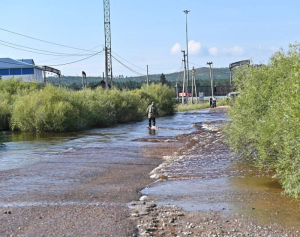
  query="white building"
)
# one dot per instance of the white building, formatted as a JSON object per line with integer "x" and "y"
{"x": 25, "y": 69}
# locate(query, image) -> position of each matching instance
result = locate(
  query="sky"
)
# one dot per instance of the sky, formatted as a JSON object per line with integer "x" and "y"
{"x": 151, "y": 32}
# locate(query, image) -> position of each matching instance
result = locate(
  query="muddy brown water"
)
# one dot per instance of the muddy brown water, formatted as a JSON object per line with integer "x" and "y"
{"x": 88, "y": 169}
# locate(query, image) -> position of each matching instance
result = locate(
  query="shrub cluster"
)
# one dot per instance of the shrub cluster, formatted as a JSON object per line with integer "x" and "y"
{"x": 265, "y": 117}
{"x": 27, "y": 107}
{"x": 9, "y": 91}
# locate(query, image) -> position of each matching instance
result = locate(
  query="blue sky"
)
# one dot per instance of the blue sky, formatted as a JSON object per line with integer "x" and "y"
{"x": 150, "y": 32}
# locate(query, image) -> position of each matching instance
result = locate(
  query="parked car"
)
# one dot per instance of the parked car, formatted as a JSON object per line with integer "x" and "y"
{"x": 232, "y": 94}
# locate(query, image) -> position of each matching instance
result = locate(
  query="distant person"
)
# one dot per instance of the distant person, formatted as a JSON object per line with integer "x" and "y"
{"x": 214, "y": 102}
{"x": 151, "y": 113}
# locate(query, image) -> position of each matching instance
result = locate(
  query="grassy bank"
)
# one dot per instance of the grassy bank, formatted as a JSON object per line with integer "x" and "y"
{"x": 28, "y": 107}
{"x": 205, "y": 105}
{"x": 265, "y": 124}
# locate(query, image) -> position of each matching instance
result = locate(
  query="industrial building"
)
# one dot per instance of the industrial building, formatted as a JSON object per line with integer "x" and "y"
{"x": 24, "y": 69}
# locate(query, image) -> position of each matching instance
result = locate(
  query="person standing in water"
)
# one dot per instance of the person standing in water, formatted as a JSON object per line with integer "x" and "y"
{"x": 214, "y": 102}
{"x": 151, "y": 113}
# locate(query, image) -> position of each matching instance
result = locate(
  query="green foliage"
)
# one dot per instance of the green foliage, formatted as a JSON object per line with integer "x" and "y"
{"x": 197, "y": 106}
{"x": 265, "y": 117}
{"x": 60, "y": 109}
{"x": 162, "y": 95}
{"x": 163, "y": 79}
{"x": 50, "y": 109}
{"x": 189, "y": 107}
{"x": 9, "y": 89}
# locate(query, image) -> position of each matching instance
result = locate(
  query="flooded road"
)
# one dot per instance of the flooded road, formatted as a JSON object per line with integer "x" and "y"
{"x": 76, "y": 184}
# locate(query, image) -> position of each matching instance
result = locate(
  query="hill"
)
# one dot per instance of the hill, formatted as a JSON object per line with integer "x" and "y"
{"x": 202, "y": 74}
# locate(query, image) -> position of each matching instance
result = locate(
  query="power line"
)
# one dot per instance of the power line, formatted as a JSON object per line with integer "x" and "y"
{"x": 140, "y": 74}
{"x": 76, "y": 60}
{"x": 179, "y": 71}
{"x": 22, "y": 64}
{"x": 130, "y": 62}
{"x": 52, "y": 52}
{"x": 143, "y": 68}
{"x": 61, "y": 57}
{"x": 45, "y": 41}
{"x": 194, "y": 64}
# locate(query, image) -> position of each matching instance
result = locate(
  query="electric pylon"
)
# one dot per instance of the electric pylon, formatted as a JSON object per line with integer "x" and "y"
{"x": 107, "y": 34}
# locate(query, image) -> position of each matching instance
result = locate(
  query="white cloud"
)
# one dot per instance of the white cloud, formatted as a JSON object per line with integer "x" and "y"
{"x": 213, "y": 51}
{"x": 234, "y": 51}
{"x": 194, "y": 47}
{"x": 176, "y": 48}
{"x": 271, "y": 49}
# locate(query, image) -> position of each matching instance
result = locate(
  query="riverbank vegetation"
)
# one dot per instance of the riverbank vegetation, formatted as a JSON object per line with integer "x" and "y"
{"x": 265, "y": 117}
{"x": 29, "y": 107}
{"x": 197, "y": 106}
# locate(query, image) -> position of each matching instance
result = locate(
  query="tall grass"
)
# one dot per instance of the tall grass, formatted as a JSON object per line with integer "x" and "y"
{"x": 30, "y": 108}
{"x": 9, "y": 90}
{"x": 189, "y": 107}
{"x": 265, "y": 117}
{"x": 198, "y": 106}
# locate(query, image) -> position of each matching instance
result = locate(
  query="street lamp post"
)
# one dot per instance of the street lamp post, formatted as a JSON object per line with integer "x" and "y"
{"x": 187, "y": 49}
{"x": 211, "y": 79}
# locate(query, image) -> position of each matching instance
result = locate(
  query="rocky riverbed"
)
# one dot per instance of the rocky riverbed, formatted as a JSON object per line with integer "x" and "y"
{"x": 201, "y": 189}
{"x": 180, "y": 181}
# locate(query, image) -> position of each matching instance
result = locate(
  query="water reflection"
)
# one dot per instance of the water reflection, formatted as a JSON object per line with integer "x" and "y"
{"x": 262, "y": 198}
{"x": 23, "y": 148}
{"x": 152, "y": 131}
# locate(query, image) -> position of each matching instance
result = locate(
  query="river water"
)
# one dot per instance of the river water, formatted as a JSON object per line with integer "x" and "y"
{"x": 198, "y": 172}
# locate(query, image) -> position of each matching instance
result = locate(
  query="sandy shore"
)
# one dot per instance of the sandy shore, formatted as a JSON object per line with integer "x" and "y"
{"x": 90, "y": 200}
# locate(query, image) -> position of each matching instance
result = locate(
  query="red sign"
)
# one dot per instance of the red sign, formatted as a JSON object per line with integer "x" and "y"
{"x": 185, "y": 94}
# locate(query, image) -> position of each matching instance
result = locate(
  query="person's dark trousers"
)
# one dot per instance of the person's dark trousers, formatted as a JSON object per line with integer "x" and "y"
{"x": 150, "y": 121}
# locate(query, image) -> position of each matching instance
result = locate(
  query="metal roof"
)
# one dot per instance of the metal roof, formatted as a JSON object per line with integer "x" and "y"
{"x": 28, "y": 61}
{"x": 21, "y": 63}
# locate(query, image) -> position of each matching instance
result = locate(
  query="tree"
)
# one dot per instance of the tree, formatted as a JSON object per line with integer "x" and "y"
{"x": 163, "y": 79}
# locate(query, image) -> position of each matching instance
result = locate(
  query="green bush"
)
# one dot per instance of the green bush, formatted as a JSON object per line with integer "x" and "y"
{"x": 50, "y": 109}
{"x": 265, "y": 117}
{"x": 58, "y": 109}
{"x": 9, "y": 89}
{"x": 162, "y": 95}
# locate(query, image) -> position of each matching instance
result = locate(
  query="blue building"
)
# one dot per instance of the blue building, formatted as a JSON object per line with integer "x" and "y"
{"x": 24, "y": 69}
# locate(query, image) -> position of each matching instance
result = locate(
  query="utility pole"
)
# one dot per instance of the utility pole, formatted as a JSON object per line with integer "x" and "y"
{"x": 177, "y": 91}
{"x": 211, "y": 79}
{"x": 84, "y": 82}
{"x": 107, "y": 34}
{"x": 187, "y": 49}
{"x": 194, "y": 85}
{"x": 45, "y": 81}
{"x": 147, "y": 77}
{"x": 184, "y": 77}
